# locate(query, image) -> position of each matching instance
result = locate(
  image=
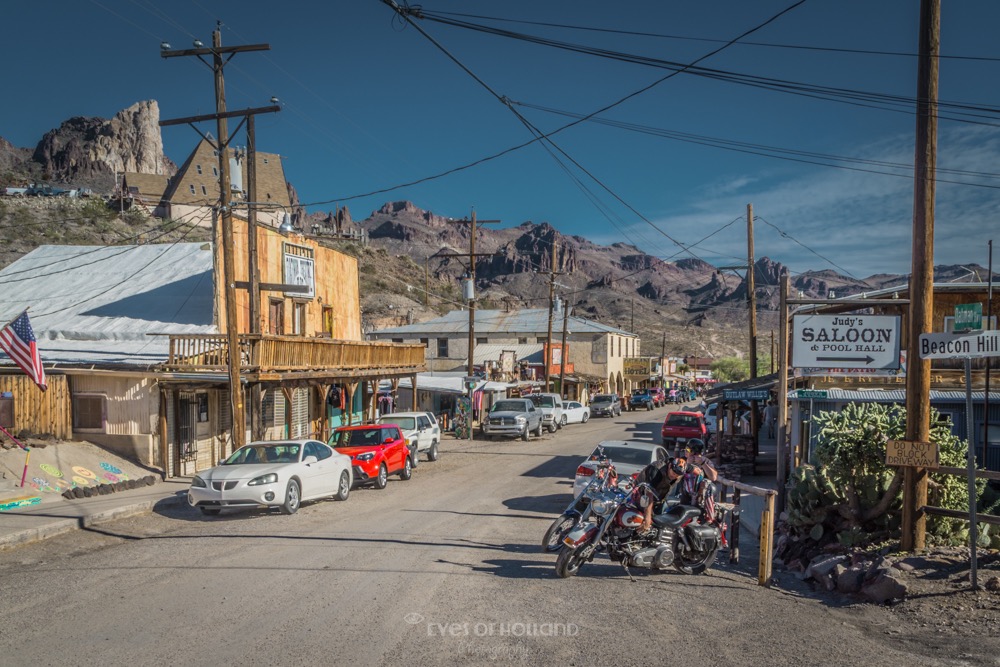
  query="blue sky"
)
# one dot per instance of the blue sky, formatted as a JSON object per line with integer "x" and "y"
{"x": 369, "y": 103}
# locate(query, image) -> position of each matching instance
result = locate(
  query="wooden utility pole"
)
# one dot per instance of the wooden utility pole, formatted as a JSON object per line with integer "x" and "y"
{"x": 780, "y": 433}
{"x": 772, "y": 351}
{"x": 547, "y": 357}
{"x": 427, "y": 283}
{"x": 663, "y": 358}
{"x": 225, "y": 208}
{"x": 562, "y": 352}
{"x": 752, "y": 296}
{"x": 918, "y": 371}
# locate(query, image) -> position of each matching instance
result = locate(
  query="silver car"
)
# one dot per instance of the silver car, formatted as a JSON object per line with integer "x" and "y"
{"x": 513, "y": 416}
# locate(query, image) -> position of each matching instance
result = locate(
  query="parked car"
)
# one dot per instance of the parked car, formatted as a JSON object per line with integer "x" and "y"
{"x": 420, "y": 429}
{"x": 711, "y": 417}
{"x": 376, "y": 451}
{"x": 575, "y": 413}
{"x": 513, "y": 416}
{"x": 629, "y": 457}
{"x": 679, "y": 427}
{"x": 281, "y": 473}
{"x": 606, "y": 405}
{"x": 641, "y": 399}
{"x": 551, "y": 407}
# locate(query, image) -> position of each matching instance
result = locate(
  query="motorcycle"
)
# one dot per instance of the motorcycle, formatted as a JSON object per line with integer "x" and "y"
{"x": 678, "y": 537}
{"x": 579, "y": 509}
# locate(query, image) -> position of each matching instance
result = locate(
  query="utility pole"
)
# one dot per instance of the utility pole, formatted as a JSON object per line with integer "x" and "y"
{"x": 427, "y": 283}
{"x": 547, "y": 357}
{"x": 472, "y": 278}
{"x": 752, "y": 296}
{"x": 631, "y": 303}
{"x": 782, "y": 440}
{"x": 562, "y": 352}
{"x": 989, "y": 325}
{"x": 918, "y": 371}
{"x": 221, "y": 117}
{"x": 663, "y": 358}
{"x": 772, "y": 351}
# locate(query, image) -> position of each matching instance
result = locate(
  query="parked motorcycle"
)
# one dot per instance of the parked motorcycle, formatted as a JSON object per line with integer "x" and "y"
{"x": 606, "y": 477}
{"x": 677, "y": 537}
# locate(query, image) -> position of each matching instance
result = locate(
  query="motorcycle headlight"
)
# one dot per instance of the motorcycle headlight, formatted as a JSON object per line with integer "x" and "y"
{"x": 367, "y": 456}
{"x": 602, "y": 506}
{"x": 198, "y": 482}
{"x": 270, "y": 478}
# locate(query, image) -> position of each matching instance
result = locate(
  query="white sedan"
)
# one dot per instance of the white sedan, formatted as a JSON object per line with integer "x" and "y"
{"x": 273, "y": 474}
{"x": 628, "y": 457}
{"x": 575, "y": 413}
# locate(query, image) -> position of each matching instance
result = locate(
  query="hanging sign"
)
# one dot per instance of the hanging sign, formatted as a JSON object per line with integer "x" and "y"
{"x": 845, "y": 341}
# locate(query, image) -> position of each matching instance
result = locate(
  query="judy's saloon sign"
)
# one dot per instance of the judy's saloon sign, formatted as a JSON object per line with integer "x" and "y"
{"x": 845, "y": 341}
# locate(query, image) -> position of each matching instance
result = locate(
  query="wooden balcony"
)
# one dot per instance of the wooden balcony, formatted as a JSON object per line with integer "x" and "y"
{"x": 267, "y": 357}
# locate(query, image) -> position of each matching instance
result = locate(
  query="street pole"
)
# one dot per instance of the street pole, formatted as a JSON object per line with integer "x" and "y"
{"x": 918, "y": 371}
{"x": 989, "y": 325}
{"x": 782, "y": 440}
{"x": 547, "y": 357}
{"x": 752, "y": 294}
{"x": 472, "y": 300}
{"x": 562, "y": 352}
{"x": 663, "y": 358}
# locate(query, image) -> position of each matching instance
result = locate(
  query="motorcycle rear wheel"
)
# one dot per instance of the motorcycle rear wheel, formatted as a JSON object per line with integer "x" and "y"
{"x": 695, "y": 565}
{"x": 569, "y": 561}
{"x": 552, "y": 541}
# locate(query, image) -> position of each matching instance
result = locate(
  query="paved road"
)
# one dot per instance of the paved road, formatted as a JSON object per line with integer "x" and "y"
{"x": 442, "y": 569}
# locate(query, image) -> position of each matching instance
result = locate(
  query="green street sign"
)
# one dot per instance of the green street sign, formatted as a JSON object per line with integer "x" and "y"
{"x": 811, "y": 393}
{"x": 969, "y": 317}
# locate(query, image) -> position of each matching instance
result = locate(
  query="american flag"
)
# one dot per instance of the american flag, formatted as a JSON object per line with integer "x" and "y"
{"x": 18, "y": 341}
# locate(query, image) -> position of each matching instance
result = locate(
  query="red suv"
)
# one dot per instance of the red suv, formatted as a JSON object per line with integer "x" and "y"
{"x": 679, "y": 427}
{"x": 376, "y": 452}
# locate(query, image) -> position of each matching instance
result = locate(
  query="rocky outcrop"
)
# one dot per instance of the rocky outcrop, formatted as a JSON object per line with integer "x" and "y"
{"x": 84, "y": 148}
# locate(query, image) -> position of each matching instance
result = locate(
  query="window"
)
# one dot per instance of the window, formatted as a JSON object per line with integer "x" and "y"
{"x": 522, "y": 340}
{"x": 541, "y": 339}
{"x": 425, "y": 342}
{"x": 198, "y": 167}
{"x": 319, "y": 450}
{"x": 204, "y": 190}
{"x": 88, "y": 412}
{"x": 202, "y": 407}
{"x": 481, "y": 341}
{"x": 442, "y": 347}
{"x": 298, "y": 318}
{"x": 215, "y": 153}
{"x": 276, "y": 317}
{"x": 215, "y": 171}
{"x": 192, "y": 188}
{"x": 397, "y": 340}
{"x": 265, "y": 160}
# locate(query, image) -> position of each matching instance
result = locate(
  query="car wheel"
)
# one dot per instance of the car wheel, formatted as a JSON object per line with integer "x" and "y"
{"x": 585, "y": 418}
{"x": 293, "y": 498}
{"x": 649, "y": 406}
{"x": 432, "y": 453}
{"x": 552, "y": 427}
{"x": 383, "y": 477}
{"x": 524, "y": 433}
{"x": 344, "y": 487}
{"x": 407, "y": 471}
{"x": 563, "y": 421}
{"x": 210, "y": 511}
{"x": 538, "y": 431}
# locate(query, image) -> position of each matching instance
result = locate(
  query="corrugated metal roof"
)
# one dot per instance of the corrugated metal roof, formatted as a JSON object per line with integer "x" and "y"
{"x": 531, "y": 321}
{"x": 897, "y": 395}
{"x": 94, "y": 304}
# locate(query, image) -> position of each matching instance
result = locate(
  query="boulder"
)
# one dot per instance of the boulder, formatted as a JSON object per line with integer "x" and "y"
{"x": 850, "y": 579}
{"x": 884, "y": 588}
{"x": 823, "y": 565}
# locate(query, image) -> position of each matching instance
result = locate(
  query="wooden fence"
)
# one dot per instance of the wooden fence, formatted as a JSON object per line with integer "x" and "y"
{"x": 40, "y": 412}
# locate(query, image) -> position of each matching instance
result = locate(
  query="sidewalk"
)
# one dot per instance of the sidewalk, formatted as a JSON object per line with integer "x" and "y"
{"x": 45, "y": 520}
{"x": 751, "y": 506}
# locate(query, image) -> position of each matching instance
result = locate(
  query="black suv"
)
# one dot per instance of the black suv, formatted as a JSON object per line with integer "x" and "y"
{"x": 606, "y": 405}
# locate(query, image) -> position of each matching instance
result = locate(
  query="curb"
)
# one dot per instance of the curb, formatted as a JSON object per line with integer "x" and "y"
{"x": 61, "y": 526}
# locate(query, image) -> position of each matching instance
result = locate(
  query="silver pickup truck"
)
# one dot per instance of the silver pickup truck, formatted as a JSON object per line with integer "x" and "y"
{"x": 513, "y": 416}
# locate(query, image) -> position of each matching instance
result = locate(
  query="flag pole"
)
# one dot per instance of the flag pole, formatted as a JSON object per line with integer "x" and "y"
{"x": 14, "y": 319}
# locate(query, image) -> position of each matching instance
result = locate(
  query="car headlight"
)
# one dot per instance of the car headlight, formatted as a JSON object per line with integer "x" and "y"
{"x": 520, "y": 420}
{"x": 367, "y": 456}
{"x": 198, "y": 482}
{"x": 270, "y": 478}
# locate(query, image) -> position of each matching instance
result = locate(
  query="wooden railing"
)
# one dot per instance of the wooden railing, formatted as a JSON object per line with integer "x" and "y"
{"x": 267, "y": 353}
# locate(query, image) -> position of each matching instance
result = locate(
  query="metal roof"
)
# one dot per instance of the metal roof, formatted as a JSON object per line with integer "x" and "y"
{"x": 896, "y": 396}
{"x": 97, "y": 305}
{"x": 533, "y": 321}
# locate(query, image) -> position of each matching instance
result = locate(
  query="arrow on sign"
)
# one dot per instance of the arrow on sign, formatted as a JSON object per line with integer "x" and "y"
{"x": 867, "y": 359}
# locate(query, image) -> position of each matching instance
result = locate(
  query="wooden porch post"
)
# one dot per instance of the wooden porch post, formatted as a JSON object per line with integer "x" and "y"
{"x": 324, "y": 424}
{"x": 287, "y": 392}
{"x": 164, "y": 440}
{"x": 413, "y": 385}
{"x": 352, "y": 387}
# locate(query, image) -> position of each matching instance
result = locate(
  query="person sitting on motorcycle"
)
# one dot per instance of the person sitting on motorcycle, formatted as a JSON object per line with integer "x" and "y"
{"x": 688, "y": 483}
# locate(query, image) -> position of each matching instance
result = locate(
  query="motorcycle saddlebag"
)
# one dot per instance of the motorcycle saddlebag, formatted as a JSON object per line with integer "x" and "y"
{"x": 703, "y": 537}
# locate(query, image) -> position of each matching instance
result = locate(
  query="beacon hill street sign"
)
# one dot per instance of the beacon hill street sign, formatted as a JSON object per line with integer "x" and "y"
{"x": 845, "y": 341}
